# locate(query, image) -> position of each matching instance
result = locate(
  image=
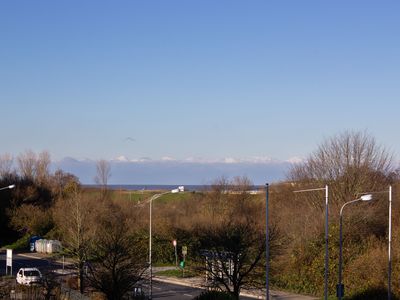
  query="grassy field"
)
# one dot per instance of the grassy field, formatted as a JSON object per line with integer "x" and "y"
{"x": 140, "y": 196}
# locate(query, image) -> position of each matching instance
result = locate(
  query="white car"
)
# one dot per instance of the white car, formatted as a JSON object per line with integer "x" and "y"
{"x": 28, "y": 276}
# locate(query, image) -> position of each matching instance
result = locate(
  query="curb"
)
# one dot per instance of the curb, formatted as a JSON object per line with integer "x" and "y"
{"x": 30, "y": 256}
{"x": 58, "y": 261}
{"x": 183, "y": 283}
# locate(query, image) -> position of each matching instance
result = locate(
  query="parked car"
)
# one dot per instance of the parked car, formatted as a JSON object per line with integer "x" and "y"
{"x": 29, "y": 276}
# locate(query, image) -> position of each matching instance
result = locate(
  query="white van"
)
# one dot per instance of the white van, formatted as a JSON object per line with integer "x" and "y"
{"x": 28, "y": 276}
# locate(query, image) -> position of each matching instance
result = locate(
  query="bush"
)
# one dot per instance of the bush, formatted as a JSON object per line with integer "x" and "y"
{"x": 372, "y": 294}
{"x": 20, "y": 244}
{"x": 214, "y": 295}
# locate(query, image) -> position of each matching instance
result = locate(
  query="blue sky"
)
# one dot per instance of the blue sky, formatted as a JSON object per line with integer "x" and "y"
{"x": 198, "y": 81}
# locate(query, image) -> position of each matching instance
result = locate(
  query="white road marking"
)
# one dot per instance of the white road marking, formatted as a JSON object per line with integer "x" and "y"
{"x": 187, "y": 295}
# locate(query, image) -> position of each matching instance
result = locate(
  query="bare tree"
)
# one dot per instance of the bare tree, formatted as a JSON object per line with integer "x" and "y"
{"x": 34, "y": 167}
{"x": 103, "y": 174}
{"x": 118, "y": 261}
{"x": 351, "y": 163}
{"x": 73, "y": 215}
{"x": 6, "y": 161}
{"x": 61, "y": 181}
{"x": 233, "y": 254}
{"x": 26, "y": 164}
{"x": 42, "y": 167}
{"x": 233, "y": 245}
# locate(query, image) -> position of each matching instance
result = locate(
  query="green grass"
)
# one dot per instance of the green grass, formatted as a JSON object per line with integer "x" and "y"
{"x": 176, "y": 273}
{"x": 140, "y": 196}
{"x": 21, "y": 244}
{"x": 174, "y": 197}
{"x": 143, "y": 196}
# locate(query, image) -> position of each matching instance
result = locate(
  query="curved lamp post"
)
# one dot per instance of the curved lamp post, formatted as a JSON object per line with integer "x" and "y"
{"x": 340, "y": 291}
{"x": 154, "y": 197}
{"x": 389, "y": 246}
{"x": 8, "y": 187}
{"x": 266, "y": 243}
{"x": 326, "y": 234}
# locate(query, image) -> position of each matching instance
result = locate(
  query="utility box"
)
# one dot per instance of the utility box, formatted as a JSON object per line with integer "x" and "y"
{"x": 47, "y": 246}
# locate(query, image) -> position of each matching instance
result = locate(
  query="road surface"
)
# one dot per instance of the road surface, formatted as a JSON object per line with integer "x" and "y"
{"x": 166, "y": 289}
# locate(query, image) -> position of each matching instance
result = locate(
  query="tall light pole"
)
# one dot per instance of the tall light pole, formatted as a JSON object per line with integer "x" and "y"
{"x": 389, "y": 246}
{"x": 8, "y": 187}
{"x": 266, "y": 243}
{"x": 154, "y": 197}
{"x": 326, "y": 234}
{"x": 340, "y": 290}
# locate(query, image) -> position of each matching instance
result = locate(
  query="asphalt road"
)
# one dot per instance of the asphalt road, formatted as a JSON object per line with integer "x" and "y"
{"x": 22, "y": 261}
{"x": 169, "y": 291}
{"x": 161, "y": 290}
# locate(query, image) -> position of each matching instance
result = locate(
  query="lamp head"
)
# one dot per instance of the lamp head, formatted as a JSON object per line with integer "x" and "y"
{"x": 367, "y": 197}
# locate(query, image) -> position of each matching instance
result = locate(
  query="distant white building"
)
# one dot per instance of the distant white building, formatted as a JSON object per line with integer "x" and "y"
{"x": 178, "y": 190}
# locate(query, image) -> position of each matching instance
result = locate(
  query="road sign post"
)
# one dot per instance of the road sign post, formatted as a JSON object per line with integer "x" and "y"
{"x": 183, "y": 262}
{"x": 9, "y": 262}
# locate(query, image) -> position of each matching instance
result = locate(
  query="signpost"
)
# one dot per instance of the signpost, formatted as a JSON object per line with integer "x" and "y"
{"x": 9, "y": 262}
{"x": 184, "y": 252}
{"x": 183, "y": 262}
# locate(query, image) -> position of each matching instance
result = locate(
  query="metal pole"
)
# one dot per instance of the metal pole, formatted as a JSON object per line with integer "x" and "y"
{"x": 389, "y": 246}
{"x": 150, "y": 264}
{"x": 339, "y": 288}
{"x": 326, "y": 234}
{"x": 266, "y": 242}
{"x": 150, "y": 240}
{"x": 176, "y": 257}
{"x": 340, "y": 258}
{"x": 326, "y": 242}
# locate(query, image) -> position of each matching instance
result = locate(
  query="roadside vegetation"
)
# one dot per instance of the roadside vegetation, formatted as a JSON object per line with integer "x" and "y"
{"x": 223, "y": 229}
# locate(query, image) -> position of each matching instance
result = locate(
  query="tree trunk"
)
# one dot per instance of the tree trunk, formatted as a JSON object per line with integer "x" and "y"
{"x": 80, "y": 281}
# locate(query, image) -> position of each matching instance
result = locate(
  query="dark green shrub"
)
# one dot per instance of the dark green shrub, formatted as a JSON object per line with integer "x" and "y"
{"x": 372, "y": 294}
{"x": 214, "y": 295}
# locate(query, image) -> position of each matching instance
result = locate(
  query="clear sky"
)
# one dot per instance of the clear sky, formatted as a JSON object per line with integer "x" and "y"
{"x": 199, "y": 80}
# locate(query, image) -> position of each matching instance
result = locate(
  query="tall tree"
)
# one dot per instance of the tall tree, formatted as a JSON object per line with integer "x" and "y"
{"x": 74, "y": 218}
{"x": 118, "y": 258}
{"x": 351, "y": 163}
{"x": 34, "y": 166}
{"x": 103, "y": 174}
{"x": 42, "y": 167}
{"x": 233, "y": 242}
{"x": 6, "y": 161}
{"x": 26, "y": 164}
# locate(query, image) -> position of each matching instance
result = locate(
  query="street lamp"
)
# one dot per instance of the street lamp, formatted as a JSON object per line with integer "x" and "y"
{"x": 174, "y": 243}
{"x": 154, "y": 197}
{"x": 326, "y": 234}
{"x": 389, "y": 246}
{"x": 266, "y": 242}
{"x": 8, "y": 187}
{"x": 367, "y": 197}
